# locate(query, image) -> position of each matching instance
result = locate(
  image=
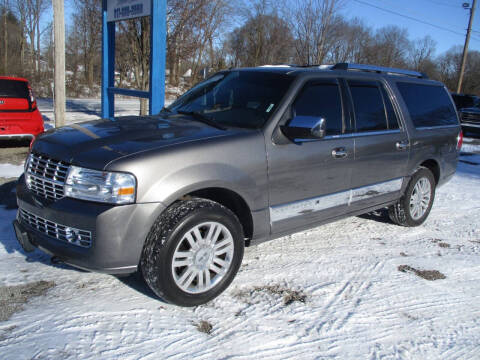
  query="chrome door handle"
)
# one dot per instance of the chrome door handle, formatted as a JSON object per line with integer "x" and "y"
{"x": 402, "y": 145}
{"x": 339, "y": 153}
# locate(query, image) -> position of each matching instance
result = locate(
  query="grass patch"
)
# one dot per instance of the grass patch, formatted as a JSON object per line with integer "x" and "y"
{"x": 12, "y": 298}
{"x": 289, "y": 296}
{"x": 425, "y": 274}
{"x": 204, "y": 327}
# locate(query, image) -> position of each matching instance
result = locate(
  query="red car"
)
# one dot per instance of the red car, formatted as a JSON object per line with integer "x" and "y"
{"x": 19, "y": 115}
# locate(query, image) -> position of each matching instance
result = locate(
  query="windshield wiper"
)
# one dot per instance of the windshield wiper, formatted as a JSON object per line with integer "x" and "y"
{"x": 202, "y": 118}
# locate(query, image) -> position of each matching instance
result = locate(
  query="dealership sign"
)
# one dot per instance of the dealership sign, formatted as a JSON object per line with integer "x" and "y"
{"x": 127, "y": 9}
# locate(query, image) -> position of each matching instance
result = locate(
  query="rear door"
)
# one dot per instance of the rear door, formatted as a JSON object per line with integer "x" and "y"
{"x": 381, "y": 144}
{"x": 14, "y": 96}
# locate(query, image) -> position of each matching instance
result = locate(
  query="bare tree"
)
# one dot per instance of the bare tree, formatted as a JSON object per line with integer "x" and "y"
{"x": 134, "y": 34}
{"x": 422, "y": 51}
{"x": 30, "y": 13}
{"x": 87, "y": 31}
{"x": 11, "y": 42}
{"x": 192, "y": 28}
{"x": 264, "y": 38}
{"x": 6, "y": 8}
{"x": 311, "y": 22}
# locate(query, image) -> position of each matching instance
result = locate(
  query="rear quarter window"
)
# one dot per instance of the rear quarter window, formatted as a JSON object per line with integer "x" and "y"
{"x": 428, "y": 105}
{"x": 13, "y": 89}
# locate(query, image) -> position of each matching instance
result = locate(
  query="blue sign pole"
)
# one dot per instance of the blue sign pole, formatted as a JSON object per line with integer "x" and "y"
{"x": 108, "y": 64}
{"x": 158, "y": 46}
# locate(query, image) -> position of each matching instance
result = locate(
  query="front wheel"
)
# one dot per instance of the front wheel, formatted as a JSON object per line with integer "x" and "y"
{"x": 192, "y": 252}
{"x": 413, "y": 208}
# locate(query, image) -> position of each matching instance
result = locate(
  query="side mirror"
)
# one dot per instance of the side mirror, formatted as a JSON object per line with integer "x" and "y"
{"x": 305, "y": 127}
{"x": 319, "y": 129}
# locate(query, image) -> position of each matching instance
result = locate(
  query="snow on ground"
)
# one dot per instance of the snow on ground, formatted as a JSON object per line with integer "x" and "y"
{"x": 10, "y": 170}
{"x": 357, "y": 304}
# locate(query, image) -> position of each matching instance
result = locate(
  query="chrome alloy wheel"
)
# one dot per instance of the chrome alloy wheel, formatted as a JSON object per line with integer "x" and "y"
{"x": 202, "y": 257}
{"x": 420, "y": 198}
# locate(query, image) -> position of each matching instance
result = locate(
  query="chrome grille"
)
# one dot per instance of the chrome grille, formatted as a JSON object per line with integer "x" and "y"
{"x": 46, "y": 177}
{"x": 64, "y": 233}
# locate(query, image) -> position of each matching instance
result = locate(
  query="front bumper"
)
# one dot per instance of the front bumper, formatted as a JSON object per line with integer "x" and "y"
{"x": 118, "y": 232}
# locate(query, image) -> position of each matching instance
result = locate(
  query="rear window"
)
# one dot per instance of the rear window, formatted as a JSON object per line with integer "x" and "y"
{"x": 368, "y": 105}
{"x": 13, "y": 89}
{"x": 428, "y": 105}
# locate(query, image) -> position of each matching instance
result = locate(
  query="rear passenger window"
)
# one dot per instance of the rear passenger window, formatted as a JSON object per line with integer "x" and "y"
{"x": 392, "y": 119}
{"x": 320, "y": 100}
{"x": 368, "y": 106}
{"x": 428, "y": 105}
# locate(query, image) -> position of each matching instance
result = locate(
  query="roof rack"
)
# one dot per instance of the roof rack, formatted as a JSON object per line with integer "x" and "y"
{"x": 379, "y": 69}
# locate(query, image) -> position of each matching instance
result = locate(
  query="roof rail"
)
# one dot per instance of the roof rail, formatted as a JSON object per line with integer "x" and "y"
{"x": 379, "y": 69}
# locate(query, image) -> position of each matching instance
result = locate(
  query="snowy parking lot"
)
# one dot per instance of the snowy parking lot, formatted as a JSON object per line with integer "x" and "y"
{"x": 354, "y": 289}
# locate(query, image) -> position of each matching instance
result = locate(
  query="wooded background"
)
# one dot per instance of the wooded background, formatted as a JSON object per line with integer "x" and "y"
{"x": 210, "y": 35}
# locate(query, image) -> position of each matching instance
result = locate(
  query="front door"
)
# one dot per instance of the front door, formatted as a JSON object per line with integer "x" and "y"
{"x": 309, "y": 179}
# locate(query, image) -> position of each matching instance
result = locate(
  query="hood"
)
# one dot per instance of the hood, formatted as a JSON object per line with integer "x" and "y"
{"x": 94, "y": 144}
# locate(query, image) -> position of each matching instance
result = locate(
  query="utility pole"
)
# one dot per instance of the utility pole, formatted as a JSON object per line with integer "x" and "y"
{"x": 59, "y": 45}
{"x": 467, "y": 40}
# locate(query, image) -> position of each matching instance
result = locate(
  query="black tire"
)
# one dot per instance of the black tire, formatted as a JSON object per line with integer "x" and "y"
{"x": 165, "y": 237}
{"x": 401, "y": 213}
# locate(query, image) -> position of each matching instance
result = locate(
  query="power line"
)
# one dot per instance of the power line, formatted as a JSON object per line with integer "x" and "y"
{"x": 415, "y": 13}
{"x": 414, "y": 19}
{"x": 442, "y": 3}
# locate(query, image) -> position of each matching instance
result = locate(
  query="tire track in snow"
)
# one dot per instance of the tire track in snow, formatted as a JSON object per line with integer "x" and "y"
{"x": 354, "y": 288}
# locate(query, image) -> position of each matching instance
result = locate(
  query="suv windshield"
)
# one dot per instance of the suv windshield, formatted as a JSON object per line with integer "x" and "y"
{"x": 13, "y": 89}
{"x": 236, "y": 98}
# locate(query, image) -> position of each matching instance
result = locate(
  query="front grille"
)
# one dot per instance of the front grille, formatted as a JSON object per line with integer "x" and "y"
{"x": 46, "y": 177}
{"x": 64, "y": 233}
{"x": 470, "y": 117}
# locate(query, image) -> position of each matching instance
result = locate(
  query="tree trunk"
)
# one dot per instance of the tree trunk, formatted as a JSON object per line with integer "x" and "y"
{"x": 5, "y": 39}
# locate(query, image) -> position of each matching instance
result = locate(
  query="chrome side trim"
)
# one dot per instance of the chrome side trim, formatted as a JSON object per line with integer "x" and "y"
{"x": 366, "y": 192}
{"x": 301, "y": 207}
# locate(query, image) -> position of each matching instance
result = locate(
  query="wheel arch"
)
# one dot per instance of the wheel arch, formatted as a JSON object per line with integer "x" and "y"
{"x": 434, "y": 167}
{"x": 231, "y": 200}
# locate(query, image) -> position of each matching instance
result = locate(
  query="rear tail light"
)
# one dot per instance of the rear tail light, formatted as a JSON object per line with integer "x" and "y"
{"x": 32, "y": 98}
{"x": 459, "y": 140}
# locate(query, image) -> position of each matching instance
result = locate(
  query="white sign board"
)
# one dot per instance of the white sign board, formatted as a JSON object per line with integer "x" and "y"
{"x": 127, "y": 9}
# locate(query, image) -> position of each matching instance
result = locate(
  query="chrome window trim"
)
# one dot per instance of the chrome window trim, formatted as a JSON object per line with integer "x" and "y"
{"x": 347, "y": 197}
{"x": 437, "y": 127}
{"x": 356, "y": 134}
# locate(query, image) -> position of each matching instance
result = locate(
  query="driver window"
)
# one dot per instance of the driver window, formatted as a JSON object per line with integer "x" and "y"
{"x": 319, "y": 100}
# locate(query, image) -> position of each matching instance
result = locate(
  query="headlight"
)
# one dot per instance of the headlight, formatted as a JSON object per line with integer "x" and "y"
{"x": 101, "y": 186}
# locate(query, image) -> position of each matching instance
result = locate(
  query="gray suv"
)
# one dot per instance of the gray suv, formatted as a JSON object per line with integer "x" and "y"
{"x": 246, "y": 156}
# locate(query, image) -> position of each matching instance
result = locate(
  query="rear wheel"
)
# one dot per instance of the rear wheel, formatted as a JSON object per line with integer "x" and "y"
{"x": 415, "y": 205}
{"x": 192, "y": 252}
